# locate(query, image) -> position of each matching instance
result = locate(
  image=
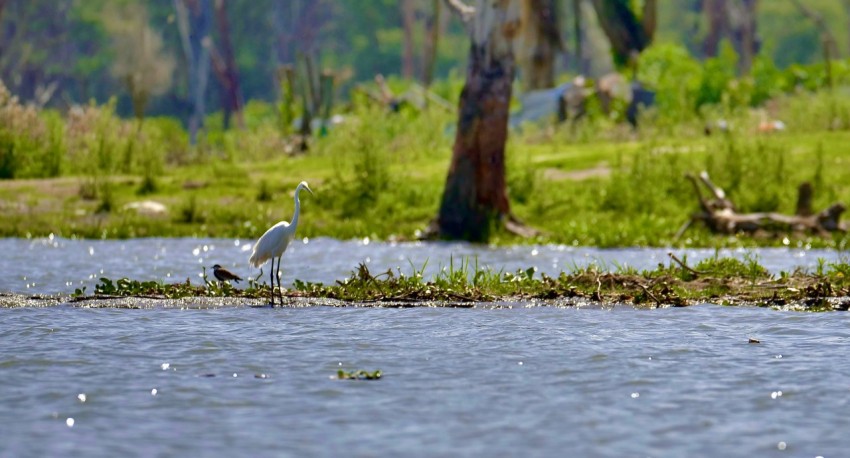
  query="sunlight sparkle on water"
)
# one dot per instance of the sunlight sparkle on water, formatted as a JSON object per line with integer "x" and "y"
{"x": 775, "y": 394}
{"x": 69, "y": 421}
{"x": 153, "y": 392}
{"x": 165, "y": 366}
{"x": 81, "y": 397}
{"x": 781, "y": 445}
{"x": 635, "y": 395}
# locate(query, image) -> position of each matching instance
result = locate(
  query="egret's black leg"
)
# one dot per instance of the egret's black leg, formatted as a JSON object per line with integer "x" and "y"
{"x": 271, "y": 290}
{"x": 280, "y": 288}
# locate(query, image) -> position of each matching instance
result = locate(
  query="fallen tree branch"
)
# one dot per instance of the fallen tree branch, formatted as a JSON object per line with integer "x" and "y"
{"x": 720, "y": 216}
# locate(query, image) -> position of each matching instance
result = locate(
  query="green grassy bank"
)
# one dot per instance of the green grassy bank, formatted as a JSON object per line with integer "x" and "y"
{"x": 381, "y": 175}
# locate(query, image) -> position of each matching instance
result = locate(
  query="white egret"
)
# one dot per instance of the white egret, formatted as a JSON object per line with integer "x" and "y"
{"x": 222, "y": 274}
{"x": 273, "y": 243}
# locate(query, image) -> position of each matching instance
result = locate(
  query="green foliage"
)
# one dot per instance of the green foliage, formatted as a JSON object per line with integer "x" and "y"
{"x": 264, "y": 194}
{"x": 675, "y": 76}
{"x": 191, "y": 212}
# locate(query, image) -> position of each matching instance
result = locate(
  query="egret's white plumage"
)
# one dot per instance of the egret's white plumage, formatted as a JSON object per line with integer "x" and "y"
{"x": 274, "y": 241}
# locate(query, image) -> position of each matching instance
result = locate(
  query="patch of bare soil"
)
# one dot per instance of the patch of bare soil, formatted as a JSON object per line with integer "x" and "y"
{"x": 600, "y": 171}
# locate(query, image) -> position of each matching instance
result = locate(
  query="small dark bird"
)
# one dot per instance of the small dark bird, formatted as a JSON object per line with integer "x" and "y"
{"x": 223, "y": 274}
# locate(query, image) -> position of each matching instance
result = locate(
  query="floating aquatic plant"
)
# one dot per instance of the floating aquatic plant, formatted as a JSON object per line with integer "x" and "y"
{"x": 358, "y": 375}
{"x": 716, "y": 280}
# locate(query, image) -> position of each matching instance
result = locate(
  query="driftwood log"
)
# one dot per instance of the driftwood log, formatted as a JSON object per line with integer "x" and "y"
{"x": 718, "y": 213}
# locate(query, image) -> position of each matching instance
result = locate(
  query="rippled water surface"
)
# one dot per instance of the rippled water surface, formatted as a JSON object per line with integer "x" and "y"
{"x": 458, "y": 382}
{"x": 535, "y": 381}
{"x": 53, "y": 265}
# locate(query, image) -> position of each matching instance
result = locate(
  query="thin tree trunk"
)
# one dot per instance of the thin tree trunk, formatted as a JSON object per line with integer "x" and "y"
{"x": 539, "y": 44}
{"x": 193, "y": 20}
{"x": 408, "y": 21}
{"x": 475, "y": 196}
{"x": 748, "y": 41}
{"x": 716, "y": 12}
{"x": 827, "y": 37}
{"x": 846, "y": 4}
{"x": 626, "y": 33}
{"x": 229, "y": 74}
{"x": 284, "y": 13}
{"x": 582, "y": 65}
{"x": 649, "y": 18}
{"x": 432, "y": 39}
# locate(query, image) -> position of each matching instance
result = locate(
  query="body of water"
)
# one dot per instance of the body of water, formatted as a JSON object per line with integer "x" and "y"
{"x": 540, "y": 381}
{"x": 54, "y": 265}
{"x": 487, "y": 381}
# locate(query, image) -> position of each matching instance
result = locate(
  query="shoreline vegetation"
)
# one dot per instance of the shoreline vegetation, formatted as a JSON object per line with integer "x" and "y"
{"x": 722, "y": 281}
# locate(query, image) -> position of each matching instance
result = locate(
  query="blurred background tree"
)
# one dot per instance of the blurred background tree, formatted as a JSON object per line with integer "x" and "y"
{"x": 63, "y": 52}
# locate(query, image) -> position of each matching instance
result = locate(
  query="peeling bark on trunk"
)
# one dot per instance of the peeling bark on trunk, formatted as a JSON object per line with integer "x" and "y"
{"x": 475, "y": 196}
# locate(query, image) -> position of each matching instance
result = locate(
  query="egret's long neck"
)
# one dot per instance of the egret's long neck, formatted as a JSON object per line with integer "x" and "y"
{"x": 294, "y": 221}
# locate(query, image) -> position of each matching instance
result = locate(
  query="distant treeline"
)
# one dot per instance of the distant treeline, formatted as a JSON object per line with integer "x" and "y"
{"x": 65, "y": 52}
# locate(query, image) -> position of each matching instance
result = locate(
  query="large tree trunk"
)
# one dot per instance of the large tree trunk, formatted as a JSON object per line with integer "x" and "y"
{"x": 539, "y": 44}
{"x": 475, "y": 197}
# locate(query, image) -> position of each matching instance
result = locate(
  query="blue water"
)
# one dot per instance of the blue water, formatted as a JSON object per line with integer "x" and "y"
{"x": 539, "y": 381}
{"x": 487, "y": 381}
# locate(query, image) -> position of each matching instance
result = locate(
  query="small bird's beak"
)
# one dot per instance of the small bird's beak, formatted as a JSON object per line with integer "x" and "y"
{"x": 309, "y": 190}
